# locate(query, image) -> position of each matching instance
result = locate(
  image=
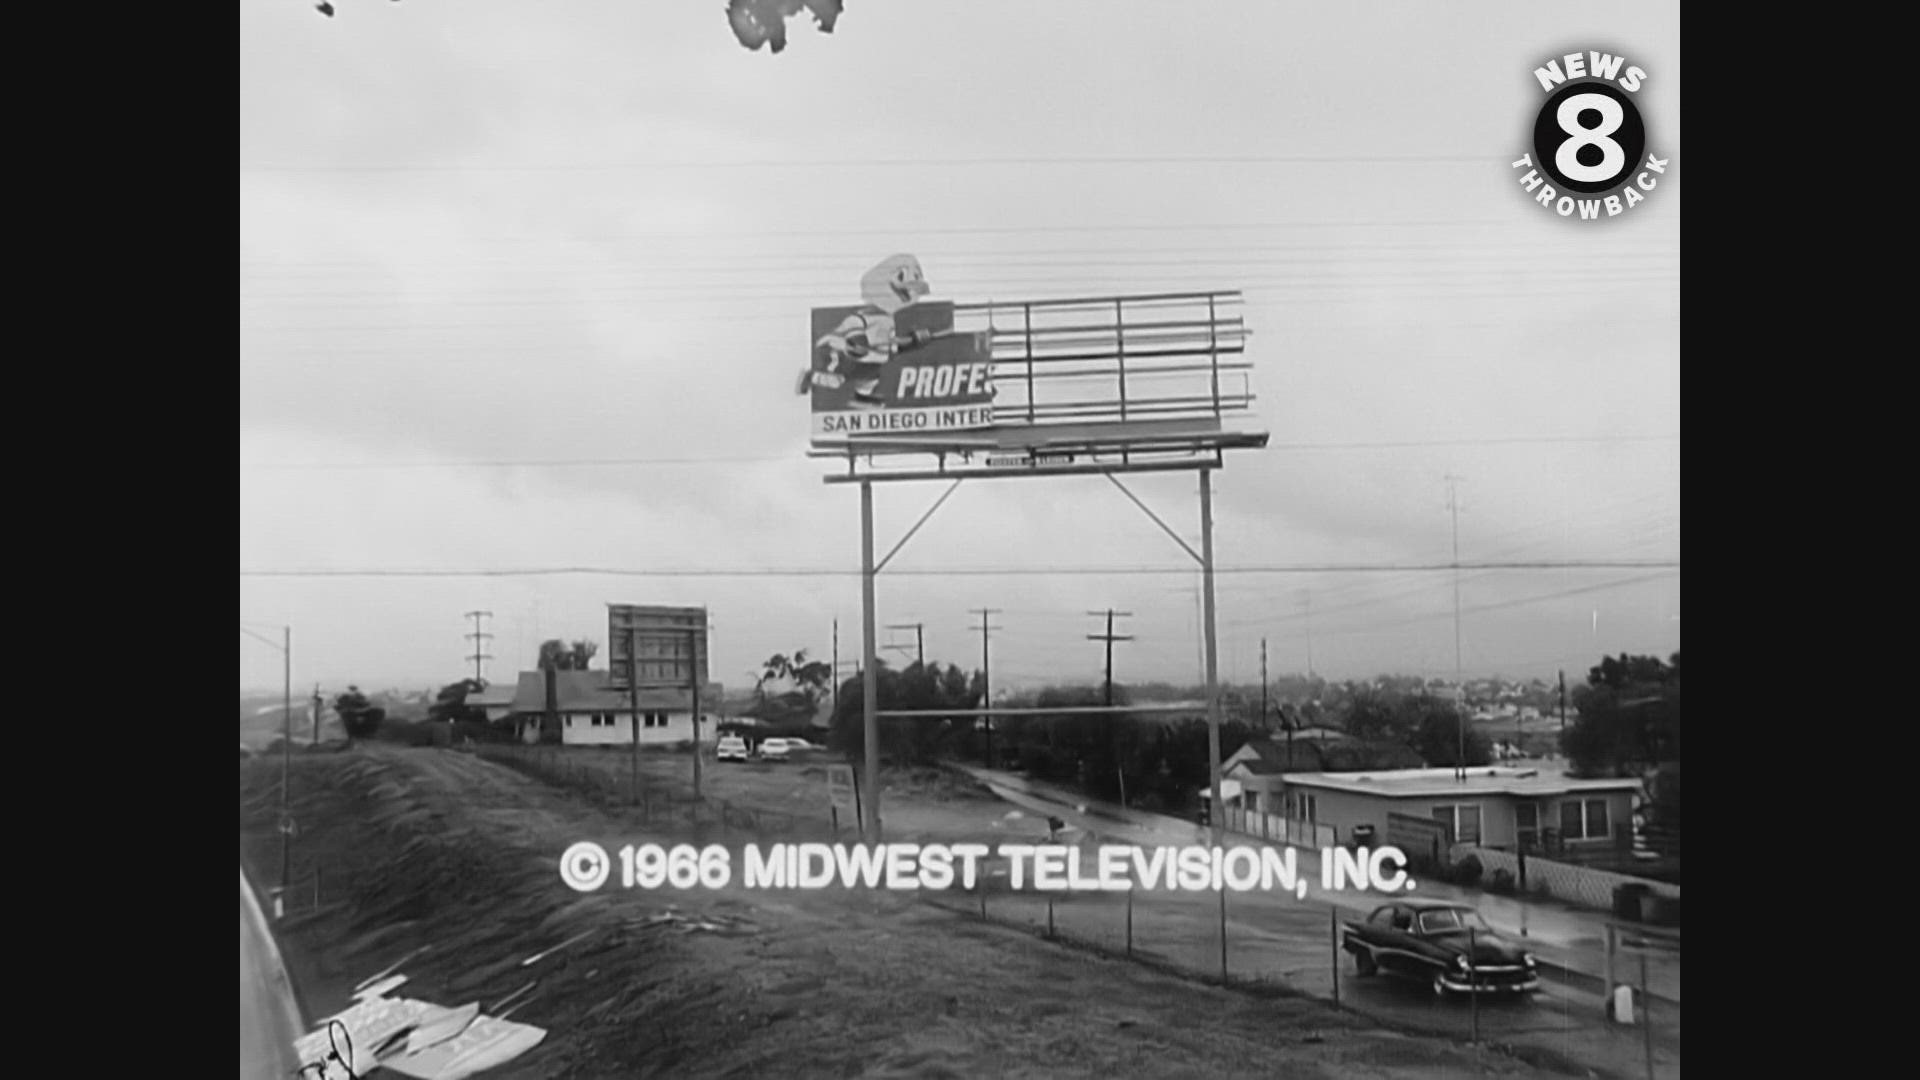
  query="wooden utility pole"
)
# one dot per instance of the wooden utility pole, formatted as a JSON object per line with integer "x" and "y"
{"x": 1263, "y": 684}
{"x": 1459, "y": 678}
{"x": 986, "y": 674}
{"x": 1113, "y": 728}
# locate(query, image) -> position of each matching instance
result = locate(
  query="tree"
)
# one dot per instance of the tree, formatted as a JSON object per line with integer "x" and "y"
{"x": 561, "y": 656}
{"x": 1373, "y": 713}
{"x": 359, "y": 716}
{"x": 919, "y": 688}
{"x": 1629, "y": 716}
{"x": 1436, "y": 726}
{"x": 790, "y": 689}
{"x": 450, "y": 704}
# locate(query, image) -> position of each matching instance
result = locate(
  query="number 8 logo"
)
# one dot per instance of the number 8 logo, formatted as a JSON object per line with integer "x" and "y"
{"x": 1613, "y": 157}
{"x": 1587, "y": 138}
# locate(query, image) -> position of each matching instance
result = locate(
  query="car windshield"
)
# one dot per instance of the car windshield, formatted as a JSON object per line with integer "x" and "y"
{"x": 1452, "y": 919}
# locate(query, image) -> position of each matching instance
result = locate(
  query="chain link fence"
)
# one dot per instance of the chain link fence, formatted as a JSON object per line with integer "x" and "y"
{"x": 1262, "y": 943}
{"x": 1279, "y": 945}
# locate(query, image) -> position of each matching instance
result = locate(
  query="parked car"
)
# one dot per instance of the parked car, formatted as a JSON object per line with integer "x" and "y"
{"x": 774, "y": 749}
{"x": 1442, "y": 943}
{"x": 731, "y": 748}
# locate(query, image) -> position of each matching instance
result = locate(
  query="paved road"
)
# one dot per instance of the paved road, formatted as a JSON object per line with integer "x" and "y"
{"x": 1570, "y": 944}
{"x": 1281, "y": 938}
{"x": 269, "y": 1015}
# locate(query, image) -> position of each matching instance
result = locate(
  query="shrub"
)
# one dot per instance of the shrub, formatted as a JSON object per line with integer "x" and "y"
{"x": 1467, "y": 871}
{"x": 1502, "y": 882}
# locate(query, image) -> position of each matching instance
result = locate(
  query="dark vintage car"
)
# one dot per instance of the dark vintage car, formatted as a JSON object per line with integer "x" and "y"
{"x": 1444, "y": 944}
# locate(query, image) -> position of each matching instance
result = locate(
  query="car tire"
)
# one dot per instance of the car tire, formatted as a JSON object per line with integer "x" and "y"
{"x": 1364, "y": 965}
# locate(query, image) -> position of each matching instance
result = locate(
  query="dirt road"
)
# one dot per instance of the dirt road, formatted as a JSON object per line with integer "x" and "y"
{"x": 442, "y": 852}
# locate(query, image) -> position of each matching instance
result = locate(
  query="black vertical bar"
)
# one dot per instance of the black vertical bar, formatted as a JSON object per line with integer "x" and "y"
{"x": 1333, "y": 926}
{"x": 1473, "y": 988}
{"x": 1646, "y": 1011}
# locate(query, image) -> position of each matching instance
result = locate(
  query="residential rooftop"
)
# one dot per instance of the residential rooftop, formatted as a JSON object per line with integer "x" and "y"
{"x": 1480, "y": 780}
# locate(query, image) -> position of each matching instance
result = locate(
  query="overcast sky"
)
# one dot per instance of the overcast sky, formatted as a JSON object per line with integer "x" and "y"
{"x": 524, "y": 286}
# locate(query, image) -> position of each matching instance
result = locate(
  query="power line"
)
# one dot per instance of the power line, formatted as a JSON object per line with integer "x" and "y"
{"x": 1328, "y": 568}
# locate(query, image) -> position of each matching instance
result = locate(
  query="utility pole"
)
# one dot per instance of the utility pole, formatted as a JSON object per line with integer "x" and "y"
{"x": 919, "y": 640}
{"x": 1263, "y": 684}
{"x": 286, "y": 764}
{"x": 986, "y": 673}
{"x": 477, "y": 637}
{"x": 835, "y": 692}
{"x": 1459, "y": 679}
{"x": 317, "y": 708}
{"x": 1308, "y": 598}
{"x": 1113, "y": 728}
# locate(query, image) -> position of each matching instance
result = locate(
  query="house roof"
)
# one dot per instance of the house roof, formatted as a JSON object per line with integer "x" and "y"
{"x": 495, "y": 695}
{"x": 590, "y": 692}
{"x": 1481, "y": 780}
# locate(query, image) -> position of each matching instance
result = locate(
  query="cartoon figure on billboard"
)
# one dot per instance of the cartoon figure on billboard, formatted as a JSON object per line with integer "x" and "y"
{"x": 856, "y": 351}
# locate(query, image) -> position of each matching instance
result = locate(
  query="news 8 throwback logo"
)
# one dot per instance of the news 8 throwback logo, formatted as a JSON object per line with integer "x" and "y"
{"x": 1590, "y": 159}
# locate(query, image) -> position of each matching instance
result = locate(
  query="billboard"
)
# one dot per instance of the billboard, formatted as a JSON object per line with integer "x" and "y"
{"x": 668, "y": 646}
{"x": 895, "y": 364}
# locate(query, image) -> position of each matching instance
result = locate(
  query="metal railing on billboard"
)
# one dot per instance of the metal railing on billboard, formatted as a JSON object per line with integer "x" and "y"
{"x": 1111, "y": 359}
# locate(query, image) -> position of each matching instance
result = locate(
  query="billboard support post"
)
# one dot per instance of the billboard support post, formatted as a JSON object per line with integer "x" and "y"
{"x": 633, "y": 693}
{"x": 693, "y": 657}
{"x": 869, "y": 678}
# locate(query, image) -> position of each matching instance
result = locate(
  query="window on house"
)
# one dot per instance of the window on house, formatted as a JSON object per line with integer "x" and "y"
{"x": 1598, "y": 827}
{"x": 1586, "y": 820}
{"x": 1463, "y": 820}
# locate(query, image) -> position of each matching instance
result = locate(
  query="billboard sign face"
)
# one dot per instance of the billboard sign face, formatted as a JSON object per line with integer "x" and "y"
{"x": 668, "y": 646}
{"x": 895, "y": 365}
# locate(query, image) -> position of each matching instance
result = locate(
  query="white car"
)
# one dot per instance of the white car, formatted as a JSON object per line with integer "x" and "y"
{"x": 731, "y": 748}
{"x": 775, "y": 750}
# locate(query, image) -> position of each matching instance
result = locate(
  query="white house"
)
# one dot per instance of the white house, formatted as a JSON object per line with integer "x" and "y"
{"x": 1494, "y": 807}
{"x": 591, "y": 712}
